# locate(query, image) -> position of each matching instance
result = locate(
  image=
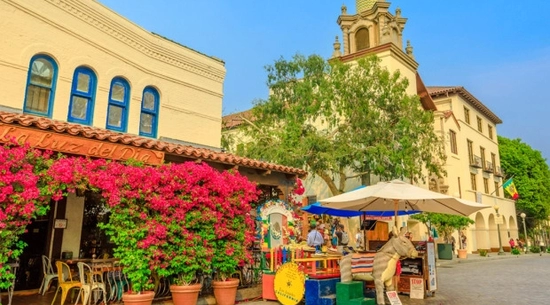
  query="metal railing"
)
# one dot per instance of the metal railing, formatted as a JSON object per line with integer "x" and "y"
{"x": 475, "y": 161}
{"x": 488, "y": 167}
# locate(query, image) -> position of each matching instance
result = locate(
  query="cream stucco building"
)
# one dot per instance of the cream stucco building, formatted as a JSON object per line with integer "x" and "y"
{"x": 81, "y": 80}
{"x": 80, "y": 62}
{"x": 473, "y": 164}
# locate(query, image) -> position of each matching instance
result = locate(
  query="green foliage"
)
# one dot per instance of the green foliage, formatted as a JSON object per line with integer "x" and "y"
{"x": 483, "y": 252}
{"x": 515, "y": 251}
{"x": 531, "y": 175}
{"x": 126, "y": 229}
{"x": 333, "y": 118}
{"x": 534, "y": 249}
{"x": 444, "y": 223}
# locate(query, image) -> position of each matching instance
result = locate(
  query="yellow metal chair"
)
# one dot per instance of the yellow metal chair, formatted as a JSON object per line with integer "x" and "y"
{"x": 65, "y": 280}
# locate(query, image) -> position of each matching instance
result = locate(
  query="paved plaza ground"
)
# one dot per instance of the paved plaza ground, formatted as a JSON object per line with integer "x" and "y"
{"x": 496, "y": 279}
{"x": 507, "y": 279}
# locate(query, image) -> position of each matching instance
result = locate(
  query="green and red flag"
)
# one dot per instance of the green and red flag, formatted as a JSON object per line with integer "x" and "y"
{"x": 510, "y": 187}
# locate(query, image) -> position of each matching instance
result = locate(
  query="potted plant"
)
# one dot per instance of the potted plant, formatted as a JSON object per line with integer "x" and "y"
{"x": 188, "y": 250}
{"x": 133, "y": 225}
{"x": 446, "y": 224}
{"x": 234, "y": 237}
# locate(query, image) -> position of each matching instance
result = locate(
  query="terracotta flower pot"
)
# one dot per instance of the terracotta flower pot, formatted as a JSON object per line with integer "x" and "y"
{"x": 185, "y": 295}
{"x": 462, "y": 253}
{"x": 225, "y": 291}
{"x": 144, "y": 298}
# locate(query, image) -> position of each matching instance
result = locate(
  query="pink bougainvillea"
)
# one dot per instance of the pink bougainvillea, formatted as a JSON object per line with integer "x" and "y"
{"x": 172, "y": 219}
{"x": 21, "y": 199}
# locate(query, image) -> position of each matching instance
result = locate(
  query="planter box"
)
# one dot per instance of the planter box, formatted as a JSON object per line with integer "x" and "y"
{"x": 445, "y": 251}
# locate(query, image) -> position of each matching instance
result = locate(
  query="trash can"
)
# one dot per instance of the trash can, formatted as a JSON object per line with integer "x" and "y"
{"x": 445, "y": 251}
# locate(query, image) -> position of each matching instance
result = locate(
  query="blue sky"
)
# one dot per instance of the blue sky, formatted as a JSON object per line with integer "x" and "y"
{"x": 497, "y": 50}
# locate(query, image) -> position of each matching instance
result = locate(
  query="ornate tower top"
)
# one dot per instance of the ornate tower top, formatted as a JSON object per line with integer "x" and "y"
{"x": 363, "y": 5}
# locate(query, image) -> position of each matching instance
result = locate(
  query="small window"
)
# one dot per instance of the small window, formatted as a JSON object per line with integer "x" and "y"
{"x": 497, "y": 189}
{"x": 362, "y": 39}
{"x": 471, "y": 151}
{"x": 482, "y": 154}
{"x": 41, "y": 82}
{"x": 490, "y": 131}
{"x": 486, "y": 185}
{"x": 467, "y": 115}
{"x": 454, "y": 148}
{"x": 479, "y": 124}
{"x": 117, "y": 111}
{"x": 81, "y": 105}
{"x": 473, "y": 181}
{"x": 148, "y": 120}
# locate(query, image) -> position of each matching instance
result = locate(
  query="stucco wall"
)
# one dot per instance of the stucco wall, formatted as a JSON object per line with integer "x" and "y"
{"x": 85, "y": 33}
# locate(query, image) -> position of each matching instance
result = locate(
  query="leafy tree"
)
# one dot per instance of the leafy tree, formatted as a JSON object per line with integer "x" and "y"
{"x": 444, "y": 223}
{"x": 334, "y": 119}
{"x": 531, "y": 177}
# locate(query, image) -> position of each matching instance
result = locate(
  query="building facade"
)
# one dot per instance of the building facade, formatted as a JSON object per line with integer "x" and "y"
{"x": 78, "y": 61}
{"x": 473, "y": 164}
{"x": 81, "y": 80}
{"x": 467, "y": 126}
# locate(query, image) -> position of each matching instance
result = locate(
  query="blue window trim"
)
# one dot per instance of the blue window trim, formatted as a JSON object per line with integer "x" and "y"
{"x": 52, "y": 88}
{"x": 124, "y": 105}
{"x": 90, "y": 96}
{"x": 154, "y": 113}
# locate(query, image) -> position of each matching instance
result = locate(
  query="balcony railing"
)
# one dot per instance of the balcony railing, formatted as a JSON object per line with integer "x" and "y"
{"x": 475, "y": 161}
{"x": 488, "y": 168}
{"x": 498, "y": 172}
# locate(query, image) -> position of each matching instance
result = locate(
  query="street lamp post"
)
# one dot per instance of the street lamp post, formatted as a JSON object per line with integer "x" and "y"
{"x": 522, "y": 215}
{"x": 498, "y": 220}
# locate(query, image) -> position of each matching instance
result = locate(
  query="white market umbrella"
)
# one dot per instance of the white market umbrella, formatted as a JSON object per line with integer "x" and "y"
{"x": 397, "y": 195}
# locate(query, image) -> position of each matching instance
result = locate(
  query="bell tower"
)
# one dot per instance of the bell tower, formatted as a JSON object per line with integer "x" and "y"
{"x": 374, "y": 30}
{"x": 371, "y": 26}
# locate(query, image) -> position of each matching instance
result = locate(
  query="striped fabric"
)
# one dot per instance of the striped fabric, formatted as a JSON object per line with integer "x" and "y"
{"x": 362, "y": 262}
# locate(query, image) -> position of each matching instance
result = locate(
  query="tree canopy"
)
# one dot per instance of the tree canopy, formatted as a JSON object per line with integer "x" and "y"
{"x": 531, "y": 177}
{"x": 342, "y": 121}
{"x": 444, "y": 223}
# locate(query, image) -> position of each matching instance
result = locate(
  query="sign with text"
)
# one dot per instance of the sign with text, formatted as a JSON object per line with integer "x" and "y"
{"x": 432, "y": 275}
{"x": 78, "y": 145}
{"x": 417, "y": 288}
{"x": 393, "y": 297}
{"x": 289, "y": 284}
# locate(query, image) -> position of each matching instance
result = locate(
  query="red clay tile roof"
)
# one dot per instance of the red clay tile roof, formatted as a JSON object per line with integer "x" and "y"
{"x": 186, "y": 151}
{"x": 235, "y": 119}
{"x": 436, "y": 91}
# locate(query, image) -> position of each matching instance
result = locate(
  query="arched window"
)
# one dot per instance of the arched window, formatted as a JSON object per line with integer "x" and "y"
{"x": 119, "y": 101}
{"x": 40, "y": 86}
{"x": 362, "y": 39}
{"x": 81, "y": 105}
{"x": 148, "y": 120}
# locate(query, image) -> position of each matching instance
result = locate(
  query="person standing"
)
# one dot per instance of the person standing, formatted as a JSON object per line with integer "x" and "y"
{"x": 512, "y": 244}
{"x": 463, "y": 240}
{"x": 453, "y": 243}
{"x": 315, "y": 239}
{"x": 359, "y": 238}
{"x": 542, "y": 247}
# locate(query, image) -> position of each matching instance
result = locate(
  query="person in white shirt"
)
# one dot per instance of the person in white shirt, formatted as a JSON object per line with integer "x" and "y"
{"x": 314, "y": 238}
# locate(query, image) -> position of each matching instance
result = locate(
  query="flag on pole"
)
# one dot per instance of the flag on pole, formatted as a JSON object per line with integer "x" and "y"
{"x": 510, "y": 187}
